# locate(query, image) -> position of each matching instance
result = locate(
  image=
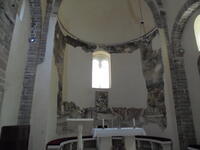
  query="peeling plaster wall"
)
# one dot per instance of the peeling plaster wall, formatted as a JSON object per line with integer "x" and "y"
{"x": 128, "y": 87}
{"x": 15, "y": 68}
{"x": 193, "y": 76}
{"x": 65, "y": 74}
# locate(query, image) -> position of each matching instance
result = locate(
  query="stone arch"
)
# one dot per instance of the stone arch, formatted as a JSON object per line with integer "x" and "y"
{"x": 156, "y": 13}
{"x": 183, "y": 16}
{"x": 185, "y": 127}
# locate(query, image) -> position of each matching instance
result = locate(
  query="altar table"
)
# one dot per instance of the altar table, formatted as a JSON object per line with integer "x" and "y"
{"x": 104, "y": 137}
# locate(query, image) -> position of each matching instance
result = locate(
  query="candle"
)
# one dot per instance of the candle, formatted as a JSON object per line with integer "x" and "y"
{"x": 112, "y": 123}
{"x": 134, "y": 122}
{"x": 103, "y": 123}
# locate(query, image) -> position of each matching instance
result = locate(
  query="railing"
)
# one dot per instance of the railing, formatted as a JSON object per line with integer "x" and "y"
{"x": 69, "y": 143}
{"x": 142, "y": 143}
{"x": 153, "y": 143}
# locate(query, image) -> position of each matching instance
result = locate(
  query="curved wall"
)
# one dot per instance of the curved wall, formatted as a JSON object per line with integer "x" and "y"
{"x": 191, "y": 58}
{"x": 128, "y": 88}
{"x": 127, "y": 85}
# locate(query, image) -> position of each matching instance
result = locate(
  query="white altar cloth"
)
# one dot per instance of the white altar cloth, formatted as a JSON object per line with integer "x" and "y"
{"x": 104, "y": 137}
{"x": 106, "y": 132}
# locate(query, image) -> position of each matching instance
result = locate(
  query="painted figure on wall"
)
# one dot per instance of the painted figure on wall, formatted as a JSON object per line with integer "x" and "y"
{"x": 153, "y": 73}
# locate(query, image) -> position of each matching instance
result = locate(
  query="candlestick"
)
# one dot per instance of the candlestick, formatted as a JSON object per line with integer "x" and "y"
{"x": 133, "y": 122}
{"x": 103, "y": 123}
{"x": 112, "y": 123}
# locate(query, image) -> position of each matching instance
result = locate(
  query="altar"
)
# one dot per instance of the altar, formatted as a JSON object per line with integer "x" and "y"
{"x": 104, "y": 137}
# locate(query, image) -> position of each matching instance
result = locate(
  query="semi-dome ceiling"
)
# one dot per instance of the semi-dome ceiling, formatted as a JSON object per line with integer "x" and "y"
{"x": 105, "y": 21}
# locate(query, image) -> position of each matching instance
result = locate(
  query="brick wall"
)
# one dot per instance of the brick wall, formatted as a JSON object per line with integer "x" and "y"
{"x": 36, "y": 55}
{"x": 8, "y": 11}
{"x": 183, "y": 109}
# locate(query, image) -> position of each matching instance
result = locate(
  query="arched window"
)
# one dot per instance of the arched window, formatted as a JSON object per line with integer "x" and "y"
{"x": 101, "y": 70}
{"x": 197, "y": 31}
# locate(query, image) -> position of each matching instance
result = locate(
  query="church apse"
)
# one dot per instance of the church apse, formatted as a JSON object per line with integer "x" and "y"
{"x": 152, "y": 69}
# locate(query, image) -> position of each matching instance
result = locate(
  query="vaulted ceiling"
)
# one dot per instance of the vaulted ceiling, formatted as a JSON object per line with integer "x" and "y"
{"x": 105, "y": 21}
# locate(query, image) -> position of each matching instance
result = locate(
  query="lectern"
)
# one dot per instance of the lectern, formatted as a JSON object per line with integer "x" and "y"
{"x": 80, "y": 123}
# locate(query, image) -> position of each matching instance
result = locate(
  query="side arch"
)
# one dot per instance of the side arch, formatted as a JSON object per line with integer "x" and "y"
{"x": 182, "y": 102}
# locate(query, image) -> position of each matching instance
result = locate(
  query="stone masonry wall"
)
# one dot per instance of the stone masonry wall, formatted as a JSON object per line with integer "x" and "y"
{"x": 8, "y": 11}
{"x": 183, "y": 110}
{"x": 185, "y": 124}
{"x": 35, "y": 56}
{"x": 31, "y": 64}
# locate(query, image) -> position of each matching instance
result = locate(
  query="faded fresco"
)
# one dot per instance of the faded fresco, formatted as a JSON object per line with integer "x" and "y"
{"x": 101, "y": 101}
{"x": 153, "y": 73}
{"x": 59, "y": 47}
{"x": 155, "y": 112}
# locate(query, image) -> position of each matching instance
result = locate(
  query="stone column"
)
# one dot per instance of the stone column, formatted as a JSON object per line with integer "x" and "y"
{"x": 170, "y": 107}
{"x": 35, "y": 56}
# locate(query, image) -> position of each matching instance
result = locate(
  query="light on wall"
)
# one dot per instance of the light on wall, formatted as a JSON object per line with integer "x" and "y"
{"x": 101, "y": 70}
{"x": 197, "y": 31}
{"x": 32, "y": 39}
